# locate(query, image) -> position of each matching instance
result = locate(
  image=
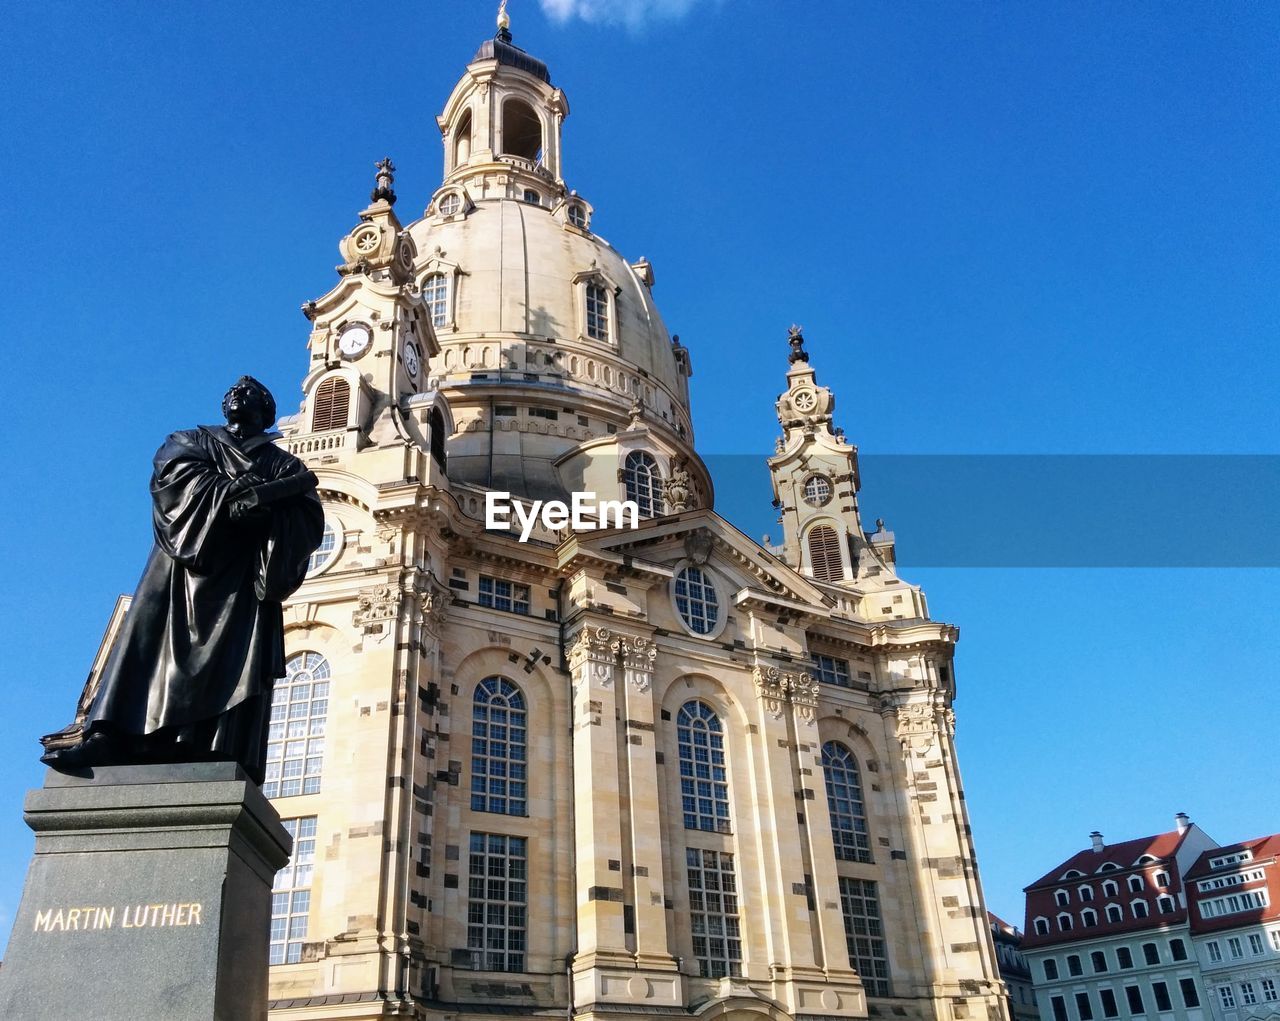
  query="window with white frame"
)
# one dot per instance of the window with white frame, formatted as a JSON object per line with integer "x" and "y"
{"x": 1059, "y": 1006}
{"x": 577, "y": 216}
{"x": 696, "y": 600}
{"x": 1088, "y": 918}
{"x": 704, "y": 779}
{"x": 501, "y": 594}
{"x": 1274, "y": 936}
{"x": 497, "y": 888}
{"x": 1136, "y": 884}
{"x": 1134, "y": 995}
{"x": 844, "y": 800}
{"x": 1247, "y": 994}
{"x": 326, "y": 551}
{"x": 1108, "y": 998}
{"x": 713, "y": 912}
{"x": 1150, "y": 953}
{"x": 1138, "y": 908}
{"x": 296, "y": 731}
{"x": 1234, "y": 947}
{"x": 1160, "y": 990}
{"x": 1114, "y": 913}
{"x": 291, "y": 893}
{"x": 1227, "y": 997}
{"x": 1061, "y": 898}
{"x": 1084, "y": 1007}
{"x": 1177, "y": 950}
{"x": 435, "y": 295}
{"x": 597, "y": 311}
{"x": 1239, "y": 879}
{"x": 642, "y": 480}
{"x": 1164, "y": 904}
{"x": 1124, "y": 957}
{"x": 830, "y": 670}
{"x": 1230, "y": 859}
{"x": 1109, "y": 888}
{"x": 1268, "y": 990}
{"x": 1041, "y": 926}
{"x": 1064, "y": 922}
{"x": 1214, "y": 951}
{"x": 1255, "y": 943}
{"x": 1050, "y": 969}
{"x": 1074, "y": 967}
{"x": 864, "y": 934}
{"x": 1190, "y": 994}
{"x": 499, "y": 779}
{"x": 1162, "y": 879}
{"x": 450, "y": 203}
{"x": 1085, "y": 893}
{"x": 1248, "y": 900}
{"x": 1098, "y": 960}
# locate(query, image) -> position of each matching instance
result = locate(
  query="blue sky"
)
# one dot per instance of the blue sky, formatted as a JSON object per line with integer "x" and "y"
{"x": 1007, "y": 229}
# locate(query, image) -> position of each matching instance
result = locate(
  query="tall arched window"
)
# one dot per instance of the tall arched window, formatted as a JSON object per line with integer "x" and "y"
{"x": 462, "y": 140}
{"x": 521, "y": 130}
{"x": 498, "y": 748}
{"x": 331, "y": 405}
{"x": 436, "y": 422}
{"x": 644, "y": 482}
{"x": 704, "y": 782}
{"x": 435, "y": 295}
{"x": 295, "y": 735}
{"x": 824, "y": 553}
{"x": 844, "y": 799}
{"x": 597, "y": 312}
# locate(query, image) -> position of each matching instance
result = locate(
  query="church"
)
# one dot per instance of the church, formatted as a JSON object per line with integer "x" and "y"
{"x": 622, "y": 772}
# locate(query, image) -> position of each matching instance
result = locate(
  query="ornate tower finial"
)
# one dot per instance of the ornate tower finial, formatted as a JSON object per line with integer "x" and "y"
{"x": 385, "y": 178}
{"x": 504, "y": 22}
{"x": 796, "y": 339}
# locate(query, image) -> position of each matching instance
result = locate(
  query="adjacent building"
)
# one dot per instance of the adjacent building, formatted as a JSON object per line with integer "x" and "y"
{"x": 1014, "y": 969}
{"x": 627, "y": 772}
{"x": 1233, "y": 896}
{"x": 1108, "y": 934}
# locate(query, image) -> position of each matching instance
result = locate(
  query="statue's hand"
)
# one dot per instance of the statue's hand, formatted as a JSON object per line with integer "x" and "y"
{"x": 246, "y": 507}
{"x": 242, "y": 483}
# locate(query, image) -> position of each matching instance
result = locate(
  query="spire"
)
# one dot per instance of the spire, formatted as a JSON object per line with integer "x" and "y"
{"x": 504, "y": 23}
{"x": 383, "y": 181}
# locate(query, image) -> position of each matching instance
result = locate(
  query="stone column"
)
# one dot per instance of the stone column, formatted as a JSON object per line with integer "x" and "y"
{"x": 149, "y": 897}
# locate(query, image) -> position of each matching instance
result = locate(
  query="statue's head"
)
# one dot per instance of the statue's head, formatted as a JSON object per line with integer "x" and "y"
{"x": 249, "y": 405}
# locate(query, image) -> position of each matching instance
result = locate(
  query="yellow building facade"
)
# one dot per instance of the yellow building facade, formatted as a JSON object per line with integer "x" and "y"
{"x": 617, "y": 772}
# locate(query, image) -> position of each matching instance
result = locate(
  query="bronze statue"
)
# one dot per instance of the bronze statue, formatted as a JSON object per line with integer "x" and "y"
{"x": 189, "y": 678}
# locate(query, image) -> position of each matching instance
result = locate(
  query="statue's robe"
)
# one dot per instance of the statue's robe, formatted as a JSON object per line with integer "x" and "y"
{"x": 203, "y": 641}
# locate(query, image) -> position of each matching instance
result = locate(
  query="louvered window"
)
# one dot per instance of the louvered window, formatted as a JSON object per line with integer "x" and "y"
{"x": 333, "y": 400}
{"x": 824, "y": 554}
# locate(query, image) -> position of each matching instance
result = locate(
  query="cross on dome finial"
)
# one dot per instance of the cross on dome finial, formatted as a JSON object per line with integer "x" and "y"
{"x": 796, "y": 339}
{"x": 385, "y": 178}
{"x": 504, "y": 22}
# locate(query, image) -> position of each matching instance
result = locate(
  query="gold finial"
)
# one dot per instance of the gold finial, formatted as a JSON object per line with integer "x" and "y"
{"x": 504, "y": 20}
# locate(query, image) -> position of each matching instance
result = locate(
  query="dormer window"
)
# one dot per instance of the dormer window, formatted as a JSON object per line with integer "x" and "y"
{"x": 1110, "y": 888}
{"x": 578, "y": 216}
{"x": 643, "y": 481}
{"x": 597, "y": 312}
{"x": 449, "y": 204}
{"x": 435, "y": 295}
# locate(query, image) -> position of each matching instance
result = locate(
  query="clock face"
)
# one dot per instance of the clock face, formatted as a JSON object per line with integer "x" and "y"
{"x": 354, "y": 340}
{"x": 411, "y": 363}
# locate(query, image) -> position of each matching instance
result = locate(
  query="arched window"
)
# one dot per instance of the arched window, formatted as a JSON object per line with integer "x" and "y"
{"x": 435, "y": 295}
{"x": 844, "y": 799}
{"x": 332, "y": 403}
{"x": 1099, "y": 961}
{"x": 1114, "y": 914}
{"x": 327, "y": 549}
{"x": 1088, "y": 918}
{"x": 1064, "y": 923}
{"x": 704, "y": 781}
{"x": 1136, "y": 884}
{"x": 1139, "y": 908}
{"x": 696, "y": 601}
{"x": 597, "y": 312}
{"x": 1109, "y": 888}
{"x": 1061, "y": 898}
{"x": 462, "y": 140}
{"x": 498, "y": 748}
{"x": 1041, "y": 926}
{"x": 436, "y": 421}
{"x": 643, "y": 482}
{"x": 521, "y": 130}
{"x": 1164, "y": 904}
{"x": 824, "y": 553}
{"x": 295, "y": 735}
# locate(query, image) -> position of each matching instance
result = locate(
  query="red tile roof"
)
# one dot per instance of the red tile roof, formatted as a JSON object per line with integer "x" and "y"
{"x": 1262, "y": 848}
{"x": 1124, "y": 854}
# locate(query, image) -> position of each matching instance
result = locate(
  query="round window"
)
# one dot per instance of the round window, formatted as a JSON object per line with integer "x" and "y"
{"x": 450, "y": 204}
{"x": 696, "y": 601}
{"x": 817, "y": 490}
{"x": 327, "y": 552}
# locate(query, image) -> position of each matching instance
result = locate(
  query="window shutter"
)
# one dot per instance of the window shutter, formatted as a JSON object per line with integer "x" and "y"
{"x": 332, "y": 402}
{"x": 824, "y": 554}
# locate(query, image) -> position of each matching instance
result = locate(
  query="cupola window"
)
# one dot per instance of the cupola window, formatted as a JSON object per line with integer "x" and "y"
{"x": 332, "y": 402}
{"x": 521, "y": 130}
{"x": 450, "y": 203}
{"x": 532, "y": 197}
{"x": 643, "y": 482}
{"x": 824, "y": 554}
{"x": 597, "y": 312}
{"x": 578, "y": 216}
{"x": 462, "y": 143}
{"x": 435, "y": 294}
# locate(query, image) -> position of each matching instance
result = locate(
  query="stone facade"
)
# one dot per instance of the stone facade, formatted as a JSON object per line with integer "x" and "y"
{"x": 625, "y": 772}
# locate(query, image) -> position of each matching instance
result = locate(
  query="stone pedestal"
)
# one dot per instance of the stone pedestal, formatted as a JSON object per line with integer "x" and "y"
{"x": 149, "y": 897}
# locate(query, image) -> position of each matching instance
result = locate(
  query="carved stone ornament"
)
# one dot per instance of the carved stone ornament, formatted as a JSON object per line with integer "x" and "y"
{"x": 380, "y": 602}
{"x": 698, "y": 546}
{"x": 677, "y": 490}
{"x": 921, "y": 723}
{"x": 777, "y": 688}
{"x": 638, "y": 656}
{"x": 592, "y": 644}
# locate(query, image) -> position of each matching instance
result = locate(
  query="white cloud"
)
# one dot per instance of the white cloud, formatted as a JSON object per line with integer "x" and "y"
{"x": 632, "y": 13}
